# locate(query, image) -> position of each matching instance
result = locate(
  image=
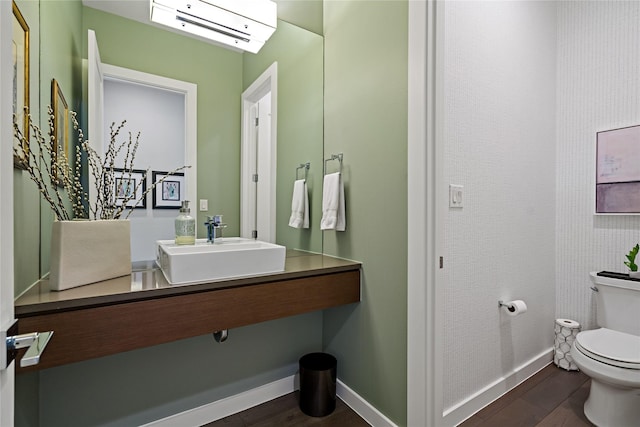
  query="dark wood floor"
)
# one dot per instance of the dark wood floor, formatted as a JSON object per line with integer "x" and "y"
{"x": 284, "y": 411}
{"x": 551, "y": 398}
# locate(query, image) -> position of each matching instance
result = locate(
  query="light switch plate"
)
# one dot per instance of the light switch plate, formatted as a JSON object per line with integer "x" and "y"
{"x": 455, "y": 196}
{"x": 204, "y": 205}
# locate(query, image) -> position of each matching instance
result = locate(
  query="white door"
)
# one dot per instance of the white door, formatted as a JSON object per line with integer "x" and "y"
{"x": 263, "y": 170}
{"x": 248, "y": 226}
{"x": 259, "y": 147}
{"x": 6, "y": 209}
{"x": 258, "y": 154}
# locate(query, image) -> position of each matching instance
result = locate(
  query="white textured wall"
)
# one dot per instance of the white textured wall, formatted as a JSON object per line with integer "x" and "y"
{"x": 499, "y": 138}
{"x": 598, "y": 89}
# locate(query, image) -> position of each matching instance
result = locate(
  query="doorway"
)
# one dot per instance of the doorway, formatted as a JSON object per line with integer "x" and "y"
{"x": 157, "y": 115}
{"x": 259, "y": 149}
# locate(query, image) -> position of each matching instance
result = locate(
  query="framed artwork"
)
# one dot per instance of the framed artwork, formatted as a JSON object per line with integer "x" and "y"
{"x": 60, "y": 153}
{"x": 129, "y": 188}
{"x": 169, "y": 193}
{"x": 20, "y": 48}
{"x": 618, "y": 171}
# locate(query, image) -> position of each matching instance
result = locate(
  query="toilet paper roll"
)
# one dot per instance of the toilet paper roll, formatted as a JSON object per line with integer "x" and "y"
{"x": 515, "y": 307}
{"x": 568, "y": 323}
{"x": 565, "y": 334}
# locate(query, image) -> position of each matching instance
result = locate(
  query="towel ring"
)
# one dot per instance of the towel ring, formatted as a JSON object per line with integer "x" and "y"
{"x": 304, "y": 166}
{"x": 333, "y": 157}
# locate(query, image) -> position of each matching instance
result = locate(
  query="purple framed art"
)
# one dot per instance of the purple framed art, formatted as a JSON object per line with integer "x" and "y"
{"x": 618, "y": 171}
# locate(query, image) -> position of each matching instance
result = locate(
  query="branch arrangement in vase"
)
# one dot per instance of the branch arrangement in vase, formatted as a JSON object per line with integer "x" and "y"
{"x": 50, "y": 169}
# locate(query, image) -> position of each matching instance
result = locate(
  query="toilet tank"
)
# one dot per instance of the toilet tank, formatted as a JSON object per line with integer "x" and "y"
{"x": 617, "y": 303}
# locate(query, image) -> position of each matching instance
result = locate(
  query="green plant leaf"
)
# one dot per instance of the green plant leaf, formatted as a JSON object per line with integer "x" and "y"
{"x": 631, "y": 258}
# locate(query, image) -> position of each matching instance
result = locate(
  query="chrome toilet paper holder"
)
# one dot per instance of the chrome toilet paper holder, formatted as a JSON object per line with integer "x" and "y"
{"x": 509, "y": 307}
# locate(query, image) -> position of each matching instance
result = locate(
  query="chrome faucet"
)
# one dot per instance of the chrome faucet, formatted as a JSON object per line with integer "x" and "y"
{"x": 213, "y": 223}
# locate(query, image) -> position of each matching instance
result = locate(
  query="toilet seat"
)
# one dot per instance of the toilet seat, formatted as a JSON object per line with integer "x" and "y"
{"x": 611, "y": 347}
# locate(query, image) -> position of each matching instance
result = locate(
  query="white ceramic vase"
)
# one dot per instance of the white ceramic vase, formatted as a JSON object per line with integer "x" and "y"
{"x": 634, "y": 274}
{"x": 84, "y": 252}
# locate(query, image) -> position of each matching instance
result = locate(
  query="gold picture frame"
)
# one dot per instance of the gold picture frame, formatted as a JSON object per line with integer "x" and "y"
{"x": 20, "y": 48}
{"x": 60, "y": 149}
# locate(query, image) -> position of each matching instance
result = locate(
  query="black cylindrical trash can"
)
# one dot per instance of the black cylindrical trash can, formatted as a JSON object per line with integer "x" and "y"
{"x": 318, "y": 384}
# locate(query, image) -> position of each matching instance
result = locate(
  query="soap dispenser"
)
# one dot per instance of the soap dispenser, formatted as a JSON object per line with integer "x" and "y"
{"x": 185, "y": 226}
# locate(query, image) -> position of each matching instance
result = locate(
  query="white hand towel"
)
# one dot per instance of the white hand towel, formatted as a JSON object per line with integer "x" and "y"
{"x": 333, "y": 213}
{"x": 299, "y": 205}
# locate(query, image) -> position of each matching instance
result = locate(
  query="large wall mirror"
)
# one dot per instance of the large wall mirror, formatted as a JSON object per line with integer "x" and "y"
{"x": 221, "y": 76}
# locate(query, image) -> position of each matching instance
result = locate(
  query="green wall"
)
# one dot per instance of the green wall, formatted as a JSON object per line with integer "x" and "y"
{"x": 306, "y": 14}
{"x": 60, "y": 59}
{"x": 143, "y": 385}
{"x": 26, "y": 223}
{"x": 299, "y": 54}
{"x": 26, "y": 199}
{"x": 366, "y": 119}
{"x": 55, "y": 52}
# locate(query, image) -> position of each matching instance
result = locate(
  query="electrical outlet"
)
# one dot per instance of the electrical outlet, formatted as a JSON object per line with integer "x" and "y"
{"x": 455, "y": 196}
{"x": 204, "y": 205}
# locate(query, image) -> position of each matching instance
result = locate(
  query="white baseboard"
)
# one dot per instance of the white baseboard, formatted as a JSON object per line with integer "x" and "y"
{"x": 458, "y": 413}
{"x": 228, "y": 406}
{"x": 233, "y": 404}
{"x": 361, "y": 407}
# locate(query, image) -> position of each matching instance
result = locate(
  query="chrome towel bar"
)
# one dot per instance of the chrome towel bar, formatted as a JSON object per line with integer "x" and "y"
{"x": 304, "y": 166}
{"x": 333, "y": 157}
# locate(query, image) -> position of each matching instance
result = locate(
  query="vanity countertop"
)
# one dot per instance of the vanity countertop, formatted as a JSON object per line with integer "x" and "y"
{"x": 147, "y": 282}
{"x": 88, "y": 321}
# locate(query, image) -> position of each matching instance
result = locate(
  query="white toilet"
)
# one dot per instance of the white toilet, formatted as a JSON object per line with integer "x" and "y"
{"x": 610, "y": 355}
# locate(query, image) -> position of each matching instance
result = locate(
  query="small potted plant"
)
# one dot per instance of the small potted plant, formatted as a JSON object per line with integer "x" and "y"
{"x": 631, "y": 262}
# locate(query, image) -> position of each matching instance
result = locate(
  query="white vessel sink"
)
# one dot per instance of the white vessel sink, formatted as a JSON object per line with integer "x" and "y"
{"x": 228, "y": 257}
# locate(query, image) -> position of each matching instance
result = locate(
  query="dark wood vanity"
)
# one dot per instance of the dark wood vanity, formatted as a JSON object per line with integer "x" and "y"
{"x": 143, "y": 310}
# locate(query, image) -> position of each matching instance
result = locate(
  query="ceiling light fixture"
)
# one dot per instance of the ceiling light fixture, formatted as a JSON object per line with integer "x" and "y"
{"x": 241, "y": 24}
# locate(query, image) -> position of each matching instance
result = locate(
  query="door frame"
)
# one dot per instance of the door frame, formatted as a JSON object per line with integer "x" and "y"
{"x": 425, "y": 189}
{"x": 7, "y": 376}
{"x": 267, "y": 82}
{"x": 190, "y": 92}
